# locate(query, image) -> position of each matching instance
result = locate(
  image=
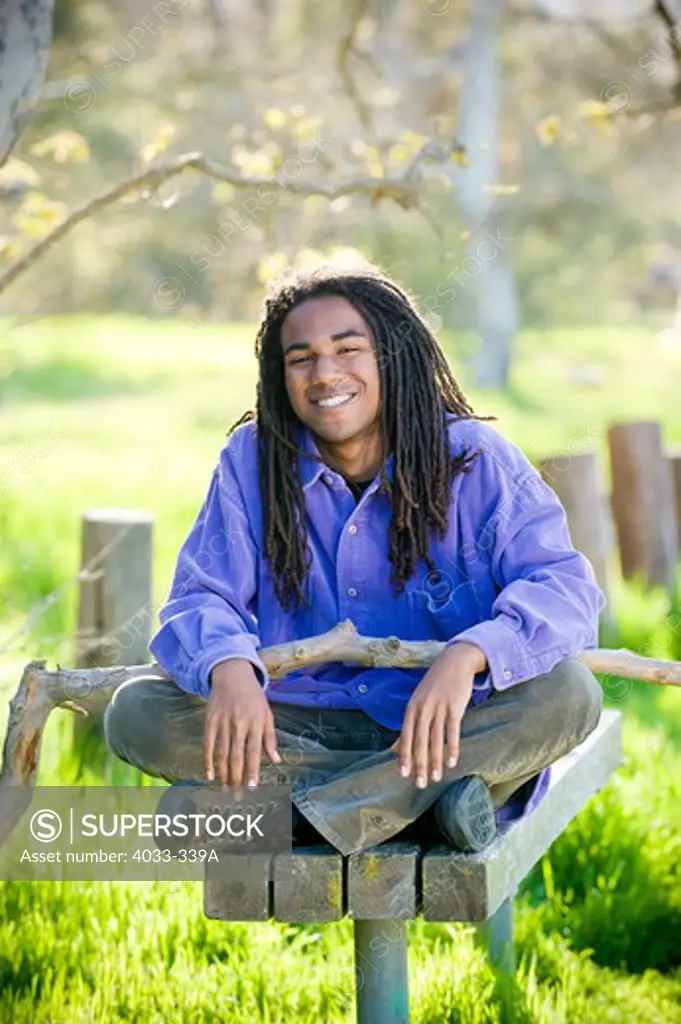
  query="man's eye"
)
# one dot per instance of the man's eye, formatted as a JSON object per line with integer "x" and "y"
{"x": 346, "y": 349}
{"x": 294, "y": 362}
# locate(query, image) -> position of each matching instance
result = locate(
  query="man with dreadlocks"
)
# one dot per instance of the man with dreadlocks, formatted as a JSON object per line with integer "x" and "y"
{"x": 365, "y": 487}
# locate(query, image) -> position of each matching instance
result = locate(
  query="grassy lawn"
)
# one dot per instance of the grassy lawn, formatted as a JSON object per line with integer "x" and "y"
{"x": 133, "y": 413}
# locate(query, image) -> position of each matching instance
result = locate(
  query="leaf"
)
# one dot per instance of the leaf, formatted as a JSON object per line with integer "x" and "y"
{"x": 458, "y": 155}
{"x": 64, "y": 147}
{"x": 274, "y": 118}
{"x": 501, "y": 190}
{"x": 37, "y": 215}
{"x": 271, "y": 266}
{"x": 399, "y": 154}
{"x": 159, "y": 143}
{"x": 12, "y": 250}
{"x": 223, "y": 192}
{"x": 409, "y": 144}
{"x": 305, "y": 129}
{"x": 549, "y": 130}
{"x": 372, "y": 158}
{"x": 414, "y": 140}
{"x": 256, "y": 164}
{"x": 597, "y": 113}
{"x": 16, "y": 172}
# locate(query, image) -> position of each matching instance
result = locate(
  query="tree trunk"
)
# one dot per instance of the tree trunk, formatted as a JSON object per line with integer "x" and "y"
{"x": 486, "y": 271}
{"x": 25, "y": 36}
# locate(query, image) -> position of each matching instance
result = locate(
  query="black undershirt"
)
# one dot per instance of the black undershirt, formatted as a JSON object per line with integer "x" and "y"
{"x": 357, "y": 487}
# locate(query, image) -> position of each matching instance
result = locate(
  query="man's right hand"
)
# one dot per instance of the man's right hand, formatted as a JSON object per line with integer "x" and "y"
{"x": 239, "y": 724}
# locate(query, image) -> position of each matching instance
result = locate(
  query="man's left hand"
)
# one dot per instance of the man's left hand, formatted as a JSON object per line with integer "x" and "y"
{"x": 432, "y": 720}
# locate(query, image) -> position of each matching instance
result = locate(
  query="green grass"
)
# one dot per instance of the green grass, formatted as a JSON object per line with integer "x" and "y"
{"x": 136, "y": 413}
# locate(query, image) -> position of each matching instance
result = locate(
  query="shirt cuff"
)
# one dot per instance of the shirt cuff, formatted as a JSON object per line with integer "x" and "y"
{"x": 507, "y": 657}
{"x": 236, "y": 647}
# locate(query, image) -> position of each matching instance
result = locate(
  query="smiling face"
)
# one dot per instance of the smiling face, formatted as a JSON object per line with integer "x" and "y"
{"x": 331, "y": 376}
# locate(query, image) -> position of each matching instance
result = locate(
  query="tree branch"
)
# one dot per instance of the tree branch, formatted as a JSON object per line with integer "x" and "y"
{"x": 88, "y": 691}
{"x": 401, "y": 190}
{"x": 347, "y": 47}
{"x": 669, "y": 19}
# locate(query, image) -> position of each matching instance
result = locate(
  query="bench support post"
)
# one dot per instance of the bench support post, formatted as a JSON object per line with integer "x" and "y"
{"x": 381, "y": 976}
{"x": 497, "y": 935}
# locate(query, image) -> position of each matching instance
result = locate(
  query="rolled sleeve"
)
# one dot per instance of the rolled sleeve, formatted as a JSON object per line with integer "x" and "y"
{"x": 209, "y": 614}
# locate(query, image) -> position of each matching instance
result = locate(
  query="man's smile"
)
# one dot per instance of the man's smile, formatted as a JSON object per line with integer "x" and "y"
{"x": 335, "y": 400}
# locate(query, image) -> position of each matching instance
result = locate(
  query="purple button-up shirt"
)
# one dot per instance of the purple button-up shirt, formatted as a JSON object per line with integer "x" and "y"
{"x": 509, "y": 581}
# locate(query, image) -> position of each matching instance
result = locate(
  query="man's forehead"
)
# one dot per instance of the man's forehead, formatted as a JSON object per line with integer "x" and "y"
{"x": 326, "y": 315}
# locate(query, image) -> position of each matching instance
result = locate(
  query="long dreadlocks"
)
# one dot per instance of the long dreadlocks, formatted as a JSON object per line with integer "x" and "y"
{"x": 417, "y": 389}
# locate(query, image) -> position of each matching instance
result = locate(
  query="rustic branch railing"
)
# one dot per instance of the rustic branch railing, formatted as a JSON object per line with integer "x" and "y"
{"x": 88, "y": 691}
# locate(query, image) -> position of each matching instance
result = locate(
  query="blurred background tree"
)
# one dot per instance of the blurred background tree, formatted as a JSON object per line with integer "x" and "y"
{"x": 532, "y": 143}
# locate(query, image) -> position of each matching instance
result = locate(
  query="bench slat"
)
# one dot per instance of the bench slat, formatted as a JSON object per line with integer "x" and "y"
{"x": 382, "y": 882}
{"x": 308, "y": 884}
{"x": 470, "y": 887}
{"x": 238, "y": 889}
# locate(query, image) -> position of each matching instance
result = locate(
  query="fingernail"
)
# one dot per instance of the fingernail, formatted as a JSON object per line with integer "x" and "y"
{"x": 404, "y": 771}
{"x": 277, "y": 757}
{"x": 436, "y": 776}
{"x": 451, "y": 763}
{"x": 421, "y": 782}
{"x": 210, "y": 776}
{"x": 251, "y": 783}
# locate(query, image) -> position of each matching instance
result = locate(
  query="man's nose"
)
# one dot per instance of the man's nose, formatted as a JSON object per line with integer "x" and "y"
{"x": 326, "y": 368}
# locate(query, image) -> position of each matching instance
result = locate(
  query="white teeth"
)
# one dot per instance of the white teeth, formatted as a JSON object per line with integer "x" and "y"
{"x": 336, "y": 400}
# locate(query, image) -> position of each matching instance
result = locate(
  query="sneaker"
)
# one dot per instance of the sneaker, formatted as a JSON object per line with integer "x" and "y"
{"x": 465, "y": 815}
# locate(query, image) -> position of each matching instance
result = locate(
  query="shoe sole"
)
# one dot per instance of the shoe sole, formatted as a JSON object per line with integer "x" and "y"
{"x": 465, "y": 816}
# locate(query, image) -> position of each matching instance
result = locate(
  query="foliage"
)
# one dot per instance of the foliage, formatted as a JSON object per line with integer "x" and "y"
{"x": 583, "y": 192}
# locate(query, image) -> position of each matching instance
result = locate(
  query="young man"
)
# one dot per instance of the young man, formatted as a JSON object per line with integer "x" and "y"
{"x": 365, "y": 487}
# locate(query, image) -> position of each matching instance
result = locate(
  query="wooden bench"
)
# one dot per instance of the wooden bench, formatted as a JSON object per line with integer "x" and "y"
{"x": 383, "y": 888}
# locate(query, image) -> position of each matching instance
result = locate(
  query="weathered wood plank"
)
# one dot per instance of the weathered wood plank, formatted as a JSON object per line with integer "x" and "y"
{"x": 239, "y": 888}
{"x": 576, "y": 480}
{"x": 308, "y": 884}
{"x": 643, "y": 502}
{"x": 381, "y": 882}
{"x": 114, "y": 608}
{"x": 471, "y": 887}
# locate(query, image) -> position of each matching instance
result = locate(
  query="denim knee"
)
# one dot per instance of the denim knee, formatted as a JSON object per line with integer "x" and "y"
{"x": 124, "y": 717}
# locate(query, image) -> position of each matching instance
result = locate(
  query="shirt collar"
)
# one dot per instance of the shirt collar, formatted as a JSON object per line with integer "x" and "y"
{"x": 311, "y": 469}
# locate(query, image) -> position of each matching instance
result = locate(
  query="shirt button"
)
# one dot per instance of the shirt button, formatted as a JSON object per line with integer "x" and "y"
{"x": 352, "y": 592}
{"x": 352, "y": 528}
{"x": 507, "y": 674}
{"x": 362, "y": 688}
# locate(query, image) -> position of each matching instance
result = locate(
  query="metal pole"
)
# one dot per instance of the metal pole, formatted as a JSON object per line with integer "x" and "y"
{"x": 381, "y": 976}
{"x": 497, "y": 934}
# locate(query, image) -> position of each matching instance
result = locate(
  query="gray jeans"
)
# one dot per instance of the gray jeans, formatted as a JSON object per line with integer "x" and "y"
{"x": 344, "y": 780}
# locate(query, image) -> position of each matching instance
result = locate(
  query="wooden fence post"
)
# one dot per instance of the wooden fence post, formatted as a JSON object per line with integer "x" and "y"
{"x": 114, "y": 609}
{"x": 643, "y": 503}
{"x": 675, "y": 464}
{"x": 575, "y": 479}
{"x": 114, "y": 615}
